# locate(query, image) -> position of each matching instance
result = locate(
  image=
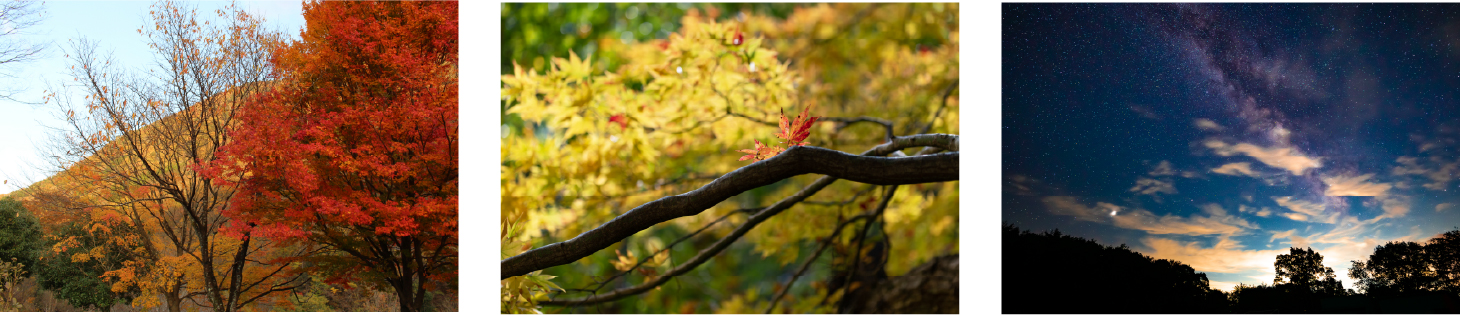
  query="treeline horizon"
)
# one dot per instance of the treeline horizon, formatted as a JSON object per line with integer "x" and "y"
{"x": 1399, "y": 277}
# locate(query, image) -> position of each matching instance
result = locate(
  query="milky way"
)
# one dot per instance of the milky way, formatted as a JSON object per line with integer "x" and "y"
{"x": 1219, "y": 135}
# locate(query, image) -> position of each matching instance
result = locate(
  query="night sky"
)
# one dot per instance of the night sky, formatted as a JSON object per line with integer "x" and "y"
{"x": 1220, "y": 135}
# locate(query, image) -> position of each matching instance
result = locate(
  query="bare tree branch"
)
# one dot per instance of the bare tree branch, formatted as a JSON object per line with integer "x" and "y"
{"x": 15, "y": 18}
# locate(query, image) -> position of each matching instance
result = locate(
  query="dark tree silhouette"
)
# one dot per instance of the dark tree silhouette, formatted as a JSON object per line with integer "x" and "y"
{"x": 1445, "y": 252}
{"x": 1395, "y": 268}
{"x": 1304, "y": 268}
{"x": 1056, "y": 273}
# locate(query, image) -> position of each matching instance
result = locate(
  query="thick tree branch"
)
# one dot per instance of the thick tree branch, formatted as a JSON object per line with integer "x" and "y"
{"x": 751, "y": 223}
{"x": 869, "y": 168}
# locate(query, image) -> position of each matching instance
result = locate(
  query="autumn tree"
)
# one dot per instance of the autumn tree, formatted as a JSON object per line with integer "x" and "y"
{"x": 76, "y": 262}
{"x": 356, "y": 150}
{"x": 130, "y": 148}
{"x": 1304, "y": 268}
{"x": 713, "y": 125}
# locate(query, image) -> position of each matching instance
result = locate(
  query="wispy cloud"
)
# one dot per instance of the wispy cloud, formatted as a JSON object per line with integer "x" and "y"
{"x": 1282, "y": 234}
{"x": 1162, "y": 169}
{"x": 1215, "y": 222}
{"x": 1435, "y": 168}
{"x": 1306, "y": 211}
{"x": 1444, "y": 206}
{"x": 1207, "y": 124}
{"x": 1139, "y": 219}
{"x": 1071, "y": 206}
{"x": 1144, "y": 111}
{"x": 1236, "y": 169}
{"x": 1021, "y": 185}
{"x": 1280, "y": 157}
{"x": 1263, "y": 212}
{"x": 1149, "y": 186}
{"x": 1394, "y": 206}
{"x": 1432, "y": 143}
{"x": 1354, "y": 186}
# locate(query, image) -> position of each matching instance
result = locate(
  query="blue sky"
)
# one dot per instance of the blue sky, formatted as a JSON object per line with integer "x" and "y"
{"x": 1221, "y": 135}
{"x": 114, "y": 25}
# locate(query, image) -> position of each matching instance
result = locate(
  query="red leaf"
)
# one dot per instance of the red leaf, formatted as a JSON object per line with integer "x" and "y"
{"x": 792, "y": 132}
{"x": 623, "y": 121}
{"x": 796, "y": 131}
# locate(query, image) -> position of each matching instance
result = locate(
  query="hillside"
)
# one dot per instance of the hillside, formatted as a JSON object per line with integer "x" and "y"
{"x": 58, "y": 199}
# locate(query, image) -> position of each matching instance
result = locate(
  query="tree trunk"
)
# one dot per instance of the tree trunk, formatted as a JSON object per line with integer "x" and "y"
{"x": 174, "y": 297}
{"x": 236, "y": 277}
{"x": 210, "y": 278}
{"x": 405, "y": 293}
{"x": 406, "y": 288}
{"x": 930, "y": 288}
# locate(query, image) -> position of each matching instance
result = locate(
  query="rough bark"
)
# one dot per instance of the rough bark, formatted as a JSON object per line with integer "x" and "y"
{"x": 930, "y": 288}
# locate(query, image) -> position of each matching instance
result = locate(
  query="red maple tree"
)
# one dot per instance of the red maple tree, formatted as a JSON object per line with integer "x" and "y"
{"x": 355, "y": 152}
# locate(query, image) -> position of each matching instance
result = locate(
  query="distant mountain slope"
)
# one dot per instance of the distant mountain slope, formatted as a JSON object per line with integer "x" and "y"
{"x": 59, "y": 197}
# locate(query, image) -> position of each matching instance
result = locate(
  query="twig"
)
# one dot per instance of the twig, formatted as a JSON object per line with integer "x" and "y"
{"x": 946, "y": 92}
{"x": 843, "y": 123}
{"x": 838, "y": 203}
{"x": 751, "y": 211}
{"x": 857, "y": 255}
{"x": 727, "y": 110}
{"x": 829, "y": 239}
